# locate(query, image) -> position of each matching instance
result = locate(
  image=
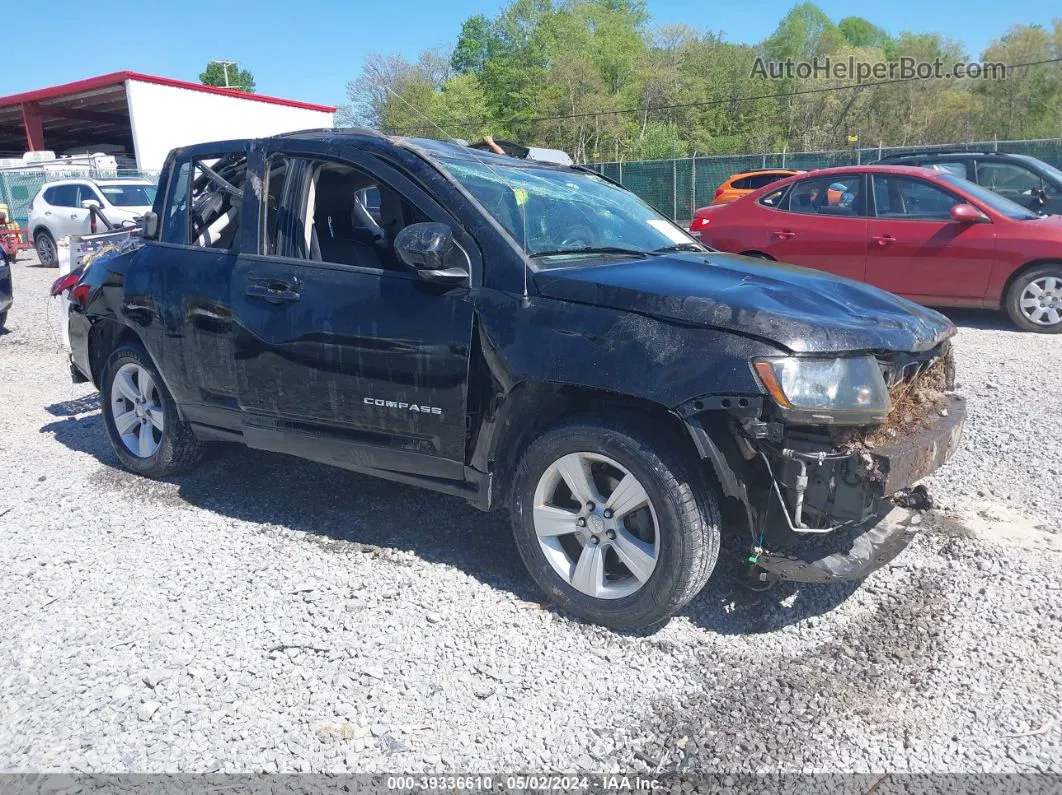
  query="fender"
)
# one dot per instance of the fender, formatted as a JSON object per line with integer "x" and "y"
{"x": 613, "y": 350}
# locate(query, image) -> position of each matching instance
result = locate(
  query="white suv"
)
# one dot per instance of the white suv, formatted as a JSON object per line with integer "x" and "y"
{"x": 62, "y": 208}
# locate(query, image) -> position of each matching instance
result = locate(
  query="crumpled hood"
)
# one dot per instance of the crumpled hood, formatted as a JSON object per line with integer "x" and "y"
{"x": 803, "y": 310}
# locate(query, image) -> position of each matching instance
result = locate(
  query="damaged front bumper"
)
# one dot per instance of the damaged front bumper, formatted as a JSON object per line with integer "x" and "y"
{"x": 831, "y": 517}
{"x": 844, "y": 556}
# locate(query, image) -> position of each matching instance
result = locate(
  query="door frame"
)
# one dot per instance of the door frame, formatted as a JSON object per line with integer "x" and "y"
{"x": 268, "y": 432}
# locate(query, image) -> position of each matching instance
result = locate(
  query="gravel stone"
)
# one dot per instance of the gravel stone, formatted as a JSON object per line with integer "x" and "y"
{"x": 277, "y": 615}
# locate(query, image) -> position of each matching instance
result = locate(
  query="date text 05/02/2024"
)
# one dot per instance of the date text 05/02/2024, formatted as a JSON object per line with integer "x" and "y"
{"x": 523, "y": 783}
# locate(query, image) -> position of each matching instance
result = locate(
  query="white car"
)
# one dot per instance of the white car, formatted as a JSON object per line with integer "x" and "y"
{"x": 62, "y": 208}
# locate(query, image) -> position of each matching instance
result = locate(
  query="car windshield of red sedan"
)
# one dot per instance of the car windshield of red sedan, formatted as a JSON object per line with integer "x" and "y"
{"x": 563, "y": 217}
{"x": 1000, "y": 204}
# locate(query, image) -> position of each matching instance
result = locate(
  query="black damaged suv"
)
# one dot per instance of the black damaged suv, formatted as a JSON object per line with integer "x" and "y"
{"x": 526, "y": 336}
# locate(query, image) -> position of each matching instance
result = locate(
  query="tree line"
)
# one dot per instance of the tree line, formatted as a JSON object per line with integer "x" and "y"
{"x": 597, "y": 79}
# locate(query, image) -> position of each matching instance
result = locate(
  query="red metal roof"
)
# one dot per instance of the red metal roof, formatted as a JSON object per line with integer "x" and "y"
{"x": 117, "y": 78}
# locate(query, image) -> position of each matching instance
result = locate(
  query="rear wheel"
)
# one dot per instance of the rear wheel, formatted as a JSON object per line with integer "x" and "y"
{"x": 3, "y": 318}
{"x": 141, "y": 417}
{"x": 47, "y": 253}
{"x": 1034, "y": 300}
{"x": 616, "y": 529}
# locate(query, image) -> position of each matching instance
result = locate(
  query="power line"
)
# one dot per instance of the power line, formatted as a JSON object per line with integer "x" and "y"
{"x": 703, "y": 103}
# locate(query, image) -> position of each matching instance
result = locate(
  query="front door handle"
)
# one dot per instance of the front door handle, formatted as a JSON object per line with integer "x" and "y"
{"x": 274, "y": 292}
{"x": 884, "y": 240}
{"x": 74, "y": 216}
{"x": 784, "y": 234}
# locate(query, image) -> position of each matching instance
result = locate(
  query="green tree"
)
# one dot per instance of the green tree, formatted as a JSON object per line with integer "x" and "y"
{"x": 859, "y": 32}
{"x": 1028, "y": 103}
{"x": 593, "y": 78}
{"x": 805, "y": 32}
{"x": 460, "y": 109}
{"x": 477, "y": 41}
{"x": 658, "y": 141}
{"x": 227, "y": 74}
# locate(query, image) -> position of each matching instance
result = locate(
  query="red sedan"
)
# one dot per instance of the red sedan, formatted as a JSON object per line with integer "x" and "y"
{"x": 927, "y": 235}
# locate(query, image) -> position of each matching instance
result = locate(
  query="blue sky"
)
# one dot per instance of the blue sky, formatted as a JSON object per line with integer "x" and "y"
{"x": 310, "y": 50}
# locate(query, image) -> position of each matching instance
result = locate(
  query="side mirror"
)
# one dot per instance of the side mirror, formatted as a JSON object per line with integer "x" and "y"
{"x": 149, "y": 225}
{"x": 967, "y": 214}
{"x": 431, "y": 251}
{"x": 88, "y": 204}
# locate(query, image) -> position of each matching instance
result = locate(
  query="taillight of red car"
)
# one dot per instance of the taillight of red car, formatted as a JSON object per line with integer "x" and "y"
{"x": 699, "y": 222}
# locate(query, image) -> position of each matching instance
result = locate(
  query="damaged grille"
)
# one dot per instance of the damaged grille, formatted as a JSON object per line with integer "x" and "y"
{"x": 918, "y": 388}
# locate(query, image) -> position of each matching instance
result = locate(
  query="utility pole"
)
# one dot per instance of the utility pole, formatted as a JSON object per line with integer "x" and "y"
{"x": 225, "y": 68}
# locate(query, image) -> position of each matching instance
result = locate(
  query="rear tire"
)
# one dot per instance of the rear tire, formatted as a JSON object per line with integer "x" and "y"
{"x": 1034, "y": 300}
{"x": 3, "y": 319}
{"x": 47, "y": 252}
{"x": 640, "y": 576}
{"x": 141, "y": 417}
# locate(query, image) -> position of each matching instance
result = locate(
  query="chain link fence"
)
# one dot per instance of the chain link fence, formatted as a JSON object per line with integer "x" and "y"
{"x": 678, "y": 187}
{"x": 17, "y": 188}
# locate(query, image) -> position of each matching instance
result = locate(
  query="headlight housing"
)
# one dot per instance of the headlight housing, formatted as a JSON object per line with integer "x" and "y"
{"x": 844, "y": 391}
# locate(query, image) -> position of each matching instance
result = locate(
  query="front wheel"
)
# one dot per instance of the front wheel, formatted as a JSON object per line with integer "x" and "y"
{"x": 141, "y": 417}
{"x": 616, "y": 529}
{"x": 47, "y": 252}
{"x": 1034, "y": 300}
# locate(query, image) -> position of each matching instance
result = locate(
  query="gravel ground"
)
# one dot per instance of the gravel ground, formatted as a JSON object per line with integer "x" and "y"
{"x": 262, "y": 613}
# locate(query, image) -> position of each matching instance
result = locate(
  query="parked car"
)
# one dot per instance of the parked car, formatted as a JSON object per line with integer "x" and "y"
{"x": 526, "y": 336}
{"x": 63, "y": 208}
{"x": 927, "y": 235}
{"x": 1026, "y": 180}
{"x": 7, "y": 293}
{"x": 745, "y": 182}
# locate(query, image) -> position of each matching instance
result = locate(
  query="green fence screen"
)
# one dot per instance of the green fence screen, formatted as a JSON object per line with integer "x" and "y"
{"x": 678, "y": 187}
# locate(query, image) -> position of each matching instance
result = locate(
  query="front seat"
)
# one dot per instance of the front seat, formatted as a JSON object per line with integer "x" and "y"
{"x": 333, "y": 238}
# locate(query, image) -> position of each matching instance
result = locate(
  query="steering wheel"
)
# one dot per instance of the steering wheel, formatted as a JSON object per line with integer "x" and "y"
{"x": 577, "y": 237}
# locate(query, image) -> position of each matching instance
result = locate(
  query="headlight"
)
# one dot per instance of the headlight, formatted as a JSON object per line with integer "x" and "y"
{"x": 849, "y": 391}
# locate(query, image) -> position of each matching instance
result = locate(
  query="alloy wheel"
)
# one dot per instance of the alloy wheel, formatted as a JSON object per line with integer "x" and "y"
{"x": 136, "y": 407}
{"x": 46, "y": 250}
{"x": 596, "y": 525}
{"x": 1041, "y": 301}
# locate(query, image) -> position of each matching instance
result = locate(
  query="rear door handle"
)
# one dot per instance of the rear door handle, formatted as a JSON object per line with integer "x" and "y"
{"x": 783, "y": 234}
{"x": 883, "y": 240}
{"x": 274, "y": 292}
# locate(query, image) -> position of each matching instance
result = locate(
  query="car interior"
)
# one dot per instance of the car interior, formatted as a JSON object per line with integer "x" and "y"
{"x": 341, "y": 225}
{"x": 217, "y": 192}
{"x": 842, "y": 197}
{"x": 908, "y": 198}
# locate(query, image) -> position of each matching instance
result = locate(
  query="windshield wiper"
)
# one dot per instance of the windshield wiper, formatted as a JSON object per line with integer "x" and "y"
{"x": 679, "y": 247}
{"x": 632, "y": 252}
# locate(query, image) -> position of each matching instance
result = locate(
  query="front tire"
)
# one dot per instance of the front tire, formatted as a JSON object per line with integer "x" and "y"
{"x": 616, "y": 529}
{"x": 141, "y": 417}
{"x": 1034, "y": 300}
{"x": 47, "y": 252}
{"x": 3, "y": 318}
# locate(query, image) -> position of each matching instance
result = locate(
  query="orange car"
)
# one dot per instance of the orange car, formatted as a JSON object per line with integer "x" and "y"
{"x": 747, "y": 181}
